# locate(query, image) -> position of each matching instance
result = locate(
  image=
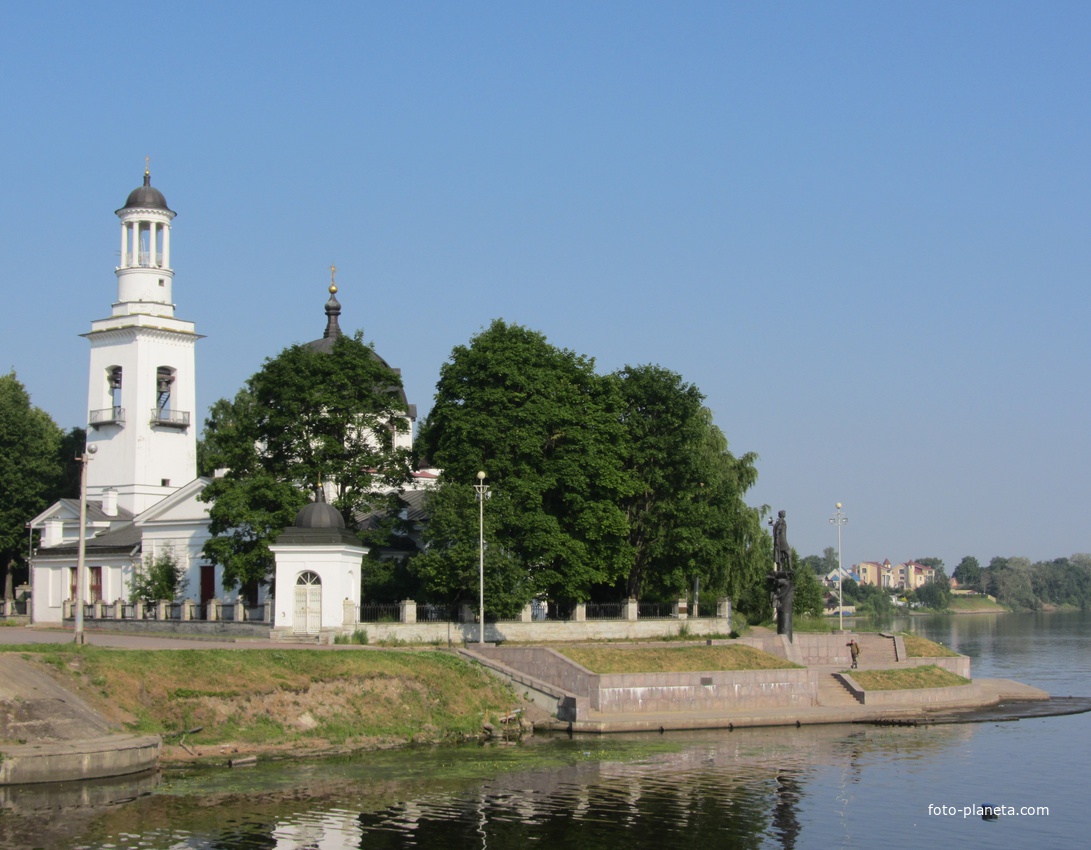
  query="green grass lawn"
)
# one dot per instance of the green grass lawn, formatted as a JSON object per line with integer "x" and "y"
{"x": 678, "y": 659}
{"x": 918, "y": 647}
{"x": 263, "y": 697}
{"x": 907, "y": 678}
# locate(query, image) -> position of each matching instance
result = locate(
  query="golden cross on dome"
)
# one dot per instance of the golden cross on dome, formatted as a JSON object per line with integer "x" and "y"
{"x": 333, "y": 279}
{"x": 147, "y": 165}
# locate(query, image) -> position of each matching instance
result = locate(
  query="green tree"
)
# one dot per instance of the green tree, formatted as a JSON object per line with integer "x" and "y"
{"x": 685, "y": 514}
{"x": 160, "y": 577}
{"x": 809, "y": 593}
{"x": 968, "y": 572}
{"x": 936, "y": 594}
{"x": 32, "y": 471}
{"x": 547, "y": 431}
{"x": 1009, "y": 580}
{"x": 307, "y": 419}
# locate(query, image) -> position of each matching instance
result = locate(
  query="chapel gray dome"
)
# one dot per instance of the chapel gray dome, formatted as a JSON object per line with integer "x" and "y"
{"x": 319, "y": 515}
{"x": 146, "y": 197}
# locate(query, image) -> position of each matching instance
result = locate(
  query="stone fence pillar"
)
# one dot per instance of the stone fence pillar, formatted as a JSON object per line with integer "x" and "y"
{"x": 188, "y": 606}
{"x": 240, "y": 610}
{"x": 723, "y": 610}
{"x": 66, "y": 609}
{"x": 215, "y": 612}
{"x": 118, "y": 609}
{"x": 407, "y": 611}
{"x": 99, "y": 609}
{"x": 163, "y": 612}
{"x": 138, "y": 609}
{"x": 348, "y": 612}
{"x": 629, "y": 609}
{"x": 579, "y": 612}
{"x": 527, "y": 614}
{"x": 680, "y": 609}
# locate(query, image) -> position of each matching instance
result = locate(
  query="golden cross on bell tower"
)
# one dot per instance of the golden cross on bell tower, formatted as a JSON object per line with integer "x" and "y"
{"x": 333, "y": 279}
{"x": 147, "y": 166}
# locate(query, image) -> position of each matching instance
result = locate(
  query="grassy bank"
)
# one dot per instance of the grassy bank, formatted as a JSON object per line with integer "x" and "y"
{"x": 975, "y": 605}
{"x": 294, "y": 700}
{"x": 909, "y": 678}
{"x": 680, "y": 659}
{"x": 918, "y": 647}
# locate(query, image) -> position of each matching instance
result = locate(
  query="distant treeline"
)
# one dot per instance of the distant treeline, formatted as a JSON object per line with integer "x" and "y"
{"x": 1026, "y": 586}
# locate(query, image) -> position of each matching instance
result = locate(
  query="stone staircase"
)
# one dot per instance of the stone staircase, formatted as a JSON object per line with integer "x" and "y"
{"x": 876, "y": 650}
{"x": 832, "y": 692}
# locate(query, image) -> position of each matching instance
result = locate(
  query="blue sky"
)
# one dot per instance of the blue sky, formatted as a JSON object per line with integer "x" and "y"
{"x": 860, "y": 228}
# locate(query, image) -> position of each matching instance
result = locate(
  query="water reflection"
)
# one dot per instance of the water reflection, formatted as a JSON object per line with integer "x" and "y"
{"x": 849, "y": 786}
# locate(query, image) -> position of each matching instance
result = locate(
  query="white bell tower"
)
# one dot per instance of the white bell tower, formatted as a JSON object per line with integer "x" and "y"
{"x": 142, "y": 388}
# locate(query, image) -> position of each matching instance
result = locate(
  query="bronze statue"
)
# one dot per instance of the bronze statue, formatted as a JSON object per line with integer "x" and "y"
{"x": 780, "y": 579}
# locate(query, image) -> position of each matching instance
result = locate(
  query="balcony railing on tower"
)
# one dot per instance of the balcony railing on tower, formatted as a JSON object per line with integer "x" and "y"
{"x": 170, "y": 418}
{"x": 107, "y": 416}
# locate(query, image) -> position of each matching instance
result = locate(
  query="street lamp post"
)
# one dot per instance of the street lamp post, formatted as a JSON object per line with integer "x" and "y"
{"x": 839, "y": 519}
{"x": 81, "y": 547}
{"x": 482, "y": 494}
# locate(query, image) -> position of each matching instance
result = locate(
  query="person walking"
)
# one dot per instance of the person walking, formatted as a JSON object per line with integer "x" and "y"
{"x": 854, "y": 651}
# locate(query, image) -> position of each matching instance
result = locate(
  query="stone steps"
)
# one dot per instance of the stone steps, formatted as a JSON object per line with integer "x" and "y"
{"x": 832, "y": 692}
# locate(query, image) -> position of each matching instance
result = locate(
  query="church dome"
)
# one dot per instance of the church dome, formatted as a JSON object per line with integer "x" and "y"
{"x": 319, "y": 515}
{"x": 146, "y": 197}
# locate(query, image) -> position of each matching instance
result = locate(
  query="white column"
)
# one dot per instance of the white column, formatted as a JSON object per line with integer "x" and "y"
{"x": 166, "y": 246}
{"x": 134, "y": 244}
{"x": 122, "y": 263}
{"x": 152, "y": 239}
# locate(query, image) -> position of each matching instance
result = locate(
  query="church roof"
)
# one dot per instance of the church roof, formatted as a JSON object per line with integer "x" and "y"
{"x": 146, "y": 197}
{"x": 330, "y": 336}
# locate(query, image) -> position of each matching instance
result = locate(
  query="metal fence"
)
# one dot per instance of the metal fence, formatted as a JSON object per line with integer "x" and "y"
{"x": 605, "y": 611}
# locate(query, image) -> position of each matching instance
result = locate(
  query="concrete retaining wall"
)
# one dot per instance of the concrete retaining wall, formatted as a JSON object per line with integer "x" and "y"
{"x": 69, "y": 760}
{"x": 959, "y": 665}
{"x": 543, "y": 632}
{"x": 211, "y": 628}
{"x": 917, "y": 696}
{"x": 717, "y": 690}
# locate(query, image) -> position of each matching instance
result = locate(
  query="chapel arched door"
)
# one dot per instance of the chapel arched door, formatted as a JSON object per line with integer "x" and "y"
{"x": 308, "y": 604}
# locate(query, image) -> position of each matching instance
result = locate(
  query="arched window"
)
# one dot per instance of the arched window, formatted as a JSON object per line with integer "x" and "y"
{"x": 164, "y": 379}
{"x": 308, "y": 577}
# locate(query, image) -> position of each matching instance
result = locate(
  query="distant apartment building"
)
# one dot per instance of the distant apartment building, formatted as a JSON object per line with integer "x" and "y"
{"x": 905, "y": 576}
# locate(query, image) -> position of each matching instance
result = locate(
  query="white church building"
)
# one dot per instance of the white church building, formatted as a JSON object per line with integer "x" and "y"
{"x": 142, "y": 484}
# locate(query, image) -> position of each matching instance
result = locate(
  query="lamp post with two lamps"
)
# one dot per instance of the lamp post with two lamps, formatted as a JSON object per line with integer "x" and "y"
{"x": 81, "y": 547}
{"x": 482, "y": 494}
{"x": 839, "y": 519}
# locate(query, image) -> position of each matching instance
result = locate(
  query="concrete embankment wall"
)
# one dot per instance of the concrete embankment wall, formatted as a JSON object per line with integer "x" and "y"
{"x": 615, "y": 693}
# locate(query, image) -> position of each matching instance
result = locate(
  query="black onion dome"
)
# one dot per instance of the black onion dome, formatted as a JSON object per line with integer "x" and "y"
{"x": 319, "y": 515}
{"x": 146, "y": 197}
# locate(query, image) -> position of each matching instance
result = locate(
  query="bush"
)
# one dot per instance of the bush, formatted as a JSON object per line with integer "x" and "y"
{"x": 160, "y": 577}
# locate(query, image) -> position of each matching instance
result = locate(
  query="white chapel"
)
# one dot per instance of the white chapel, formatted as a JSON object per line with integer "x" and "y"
{"x": 142, "y": 482}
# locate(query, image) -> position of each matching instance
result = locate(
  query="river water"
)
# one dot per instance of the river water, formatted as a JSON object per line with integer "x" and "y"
{"x": 843, "y": 786}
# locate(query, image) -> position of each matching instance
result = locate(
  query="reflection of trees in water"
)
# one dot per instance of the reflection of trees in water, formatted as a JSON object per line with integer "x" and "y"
{"x": 740, "y": 789}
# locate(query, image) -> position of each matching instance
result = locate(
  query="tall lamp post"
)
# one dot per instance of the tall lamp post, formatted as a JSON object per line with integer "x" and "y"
{"x": 482, "y": 494}
{"x": 839, "y": 519}
{"x": 81, "y": 547}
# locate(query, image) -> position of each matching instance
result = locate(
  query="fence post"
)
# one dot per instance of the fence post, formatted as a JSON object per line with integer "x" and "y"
{"x": 348, "y": 612}
{"x": 527, "y": 614}
{"x": 118, "y": 609}
{"x": 723, "y": 610}
{"x": 164, "y": 609}
{"x": 680, "y": 609}
{"x": 407, "y": 611}
{"x": 138, "y": 609}
{"x": 580, "y": 612}
{"x": 240, "y": 609}
{"x": 629, "y": 609}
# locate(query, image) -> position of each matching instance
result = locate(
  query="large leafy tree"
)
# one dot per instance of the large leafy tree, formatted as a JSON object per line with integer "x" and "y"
{"x": 308, "y": 419}
{"x": 546, "y": 430}
{"x": 33, "y": 470}
{"x": 685, "y": 513}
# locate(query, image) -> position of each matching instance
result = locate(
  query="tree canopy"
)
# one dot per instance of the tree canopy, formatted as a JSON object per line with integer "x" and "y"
{"x": 545, "y": 429}
{"x": 33, "y": 468}
{"x": 602, "y": 485}
{"x": 307, "y": 420}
